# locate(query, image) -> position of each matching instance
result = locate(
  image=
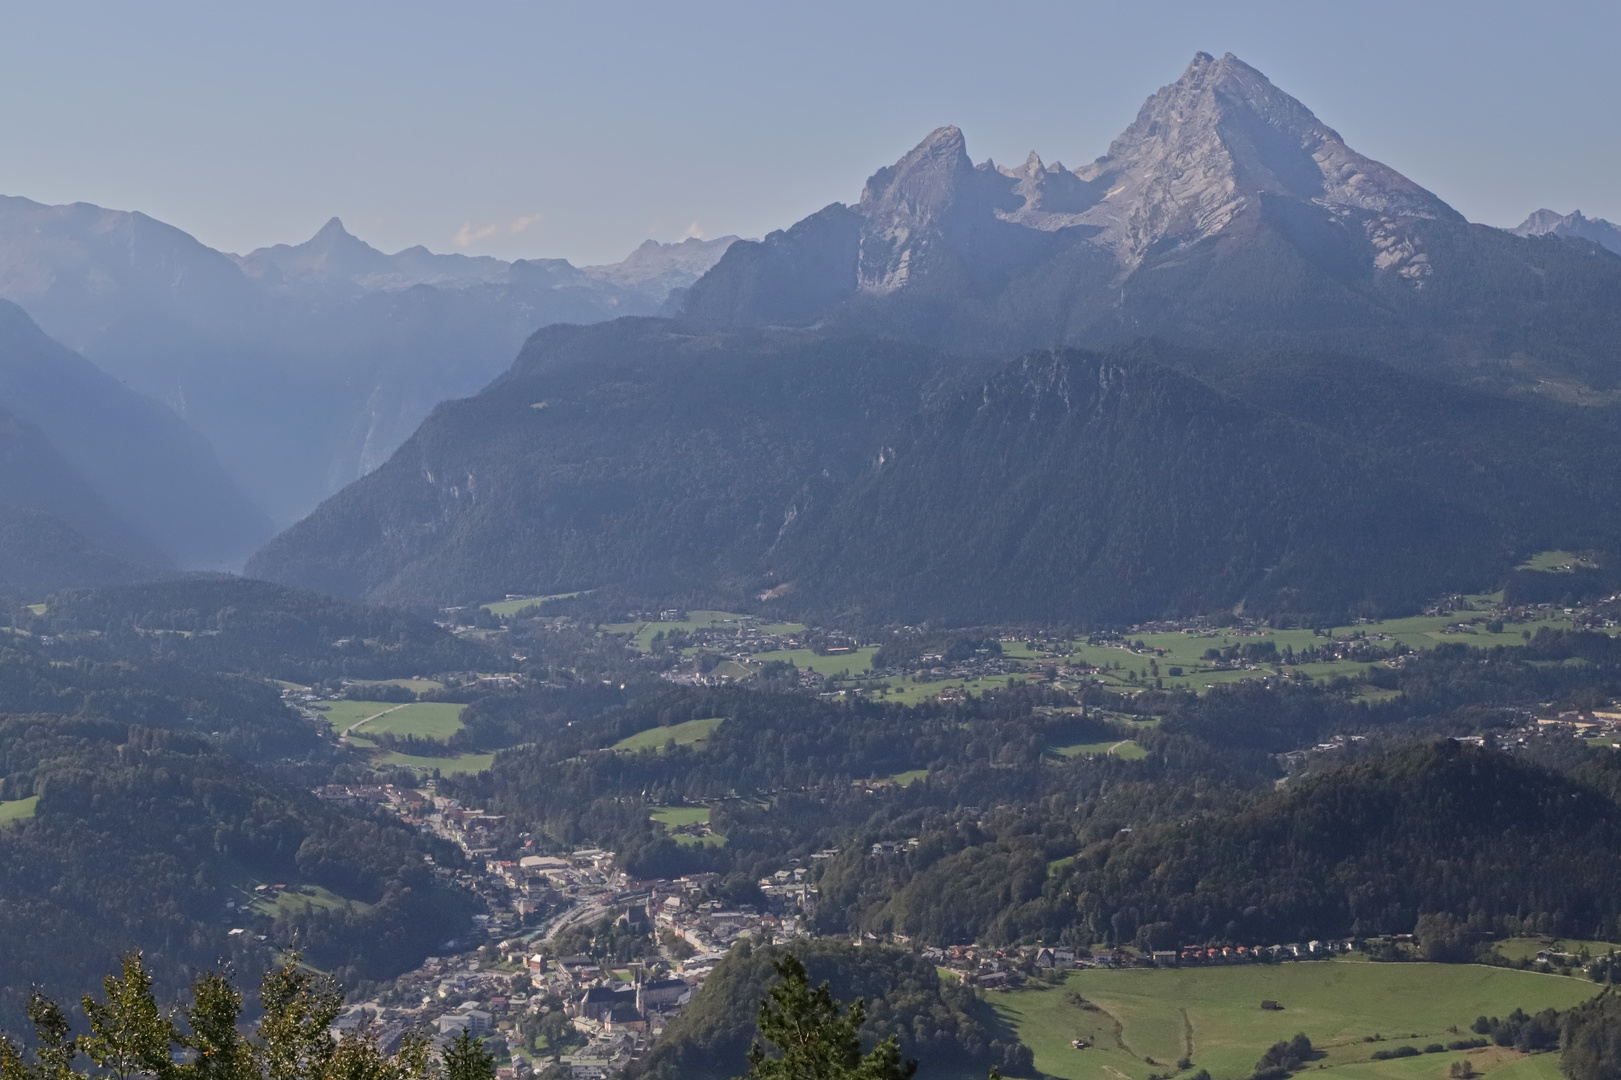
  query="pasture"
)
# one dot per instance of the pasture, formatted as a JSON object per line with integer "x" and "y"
{"x": 1186, "y": 651}
{"x": 416, "y": 686}
{"x": 1142, "y": 1021}
{"x": 855, "y": 662}
{"x": 299, "y": 899}
{"x": 695, "y": 620}
{"x": 507, "y": 608}
{"x": 18, "y": 809}
{"x": 1125, "y": 749}
{"x": 456, "y": 765}
{"x": 424, "y": 719}
{"x": 689, "y": 733}
{"x": 675, "y": 817}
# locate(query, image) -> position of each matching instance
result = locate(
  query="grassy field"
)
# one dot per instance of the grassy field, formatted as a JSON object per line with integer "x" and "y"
{"x": 461, "y": 764}
{"x": 1146, "y": 1019}
{"x": 690, "y": 733}
{"x": 416, "y": 686}
{"x": 1527, "y": 948}
{"x": 301, "y": 898}
{"x": 1555, "y": 562}
{"x": 1186, "y": 651}
{"x": 696, "y": 620}
{"x": 673, "y": 817}
{"x": 910, "y": 777}
{"x": 904, "y": 691}
{"x": 508, "y": 608}
{"x": 850, "y": 663}
{"x": 18, "y": 809}
{"x": 424, "y": 719}
{"x": 1120, "y": 748}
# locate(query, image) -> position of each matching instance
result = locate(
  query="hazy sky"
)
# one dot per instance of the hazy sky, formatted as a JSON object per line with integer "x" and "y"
{"x": 580, "y": 129}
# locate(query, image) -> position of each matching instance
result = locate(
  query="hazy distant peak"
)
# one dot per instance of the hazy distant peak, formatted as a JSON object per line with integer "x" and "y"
{"x": 1547, "y": 222}
{"x": 663, "y": 267}
{"x": 331, "y": 230}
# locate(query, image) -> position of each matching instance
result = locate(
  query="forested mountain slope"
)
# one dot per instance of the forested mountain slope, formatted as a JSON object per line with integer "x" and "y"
{"x": 1079, "y": 486}
{"x": 630, "y": 451}
{"x": 152, "y": 777}
{"x": 1444, "y": 828}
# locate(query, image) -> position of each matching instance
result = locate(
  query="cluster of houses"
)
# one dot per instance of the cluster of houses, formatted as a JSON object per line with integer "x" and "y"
{"x": 442, "y": 998}
{"x": 992, "y": 968}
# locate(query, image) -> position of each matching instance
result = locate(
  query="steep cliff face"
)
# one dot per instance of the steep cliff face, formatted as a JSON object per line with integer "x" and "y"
{"x": 1206, "y": 147}
{"x": 1227, "y": 213}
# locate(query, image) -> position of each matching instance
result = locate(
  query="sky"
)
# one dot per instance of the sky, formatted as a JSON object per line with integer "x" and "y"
{"x": 579, "y": 130}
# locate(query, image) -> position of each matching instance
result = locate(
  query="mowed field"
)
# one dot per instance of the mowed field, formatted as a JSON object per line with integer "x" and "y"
{"x": 460, "y": 764}
{"x": 689, "y": 733}
{"x": 424, "y": 719}
{"x": 18, "y": 809}
{"x": 855, "y": 662}
{"x": 1145, "y": 1020}
{"x": 1121, "y": 748}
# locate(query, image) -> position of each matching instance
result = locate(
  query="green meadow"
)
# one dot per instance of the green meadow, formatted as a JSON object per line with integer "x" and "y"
{"x": 18, "y": 809}
{"x": 508, "y": 608}
{"x": 1142, "y": 1021}
{"x": 674, "y": 817}
{"x": 856, "y": 662}
{"x": 416, "y": 686}
{"x": 424, "y": 719}
{"x": 689, "y": 733}
{"x": 301, "y": 899}
{"x": 457, "y": 765}
{"x": 1120, "y": 748}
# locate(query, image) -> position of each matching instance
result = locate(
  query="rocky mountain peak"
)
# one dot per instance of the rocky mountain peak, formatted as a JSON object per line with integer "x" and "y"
{"x": 1547, "y": 222}
{"x": 1208, "y": 145}
{"x": 925, "y": 180}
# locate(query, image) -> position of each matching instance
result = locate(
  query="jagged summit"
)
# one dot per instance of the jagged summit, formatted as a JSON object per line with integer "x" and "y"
{"x": 1226, "y": 211}
{"x": 1547, "y": 222}
{"x": 1201, "y": 151}
{"x": 1208, "y": 145}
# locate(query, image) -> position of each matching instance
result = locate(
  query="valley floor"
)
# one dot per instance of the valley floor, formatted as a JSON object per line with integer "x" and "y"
{"x": 1141, "y": 1022}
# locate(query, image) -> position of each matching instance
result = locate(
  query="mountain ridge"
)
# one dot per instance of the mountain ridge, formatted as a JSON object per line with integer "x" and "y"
{"x": 306, "y": 373}
{"x": 1226, "y": 215}
{"x": 1547, "y": 222}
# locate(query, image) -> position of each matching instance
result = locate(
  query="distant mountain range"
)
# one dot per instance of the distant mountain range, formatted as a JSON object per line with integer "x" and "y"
{"x": 1346, "y": 405}
{"x": 1548, "y": 223}
{"x": 304, "y": 366}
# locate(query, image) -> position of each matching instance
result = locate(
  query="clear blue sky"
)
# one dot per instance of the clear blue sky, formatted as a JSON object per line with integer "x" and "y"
{"x": 580, "y": 129}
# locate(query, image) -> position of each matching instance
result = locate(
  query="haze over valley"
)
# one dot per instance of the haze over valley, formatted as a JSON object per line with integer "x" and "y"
{"x": 1151, "y": 619}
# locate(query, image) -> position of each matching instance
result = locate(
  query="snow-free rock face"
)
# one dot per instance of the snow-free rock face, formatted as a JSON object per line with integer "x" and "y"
{"x": 1252, "y": 197}
{"x": 1204, "y": 148}
{"x": 1551, "y": 223}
